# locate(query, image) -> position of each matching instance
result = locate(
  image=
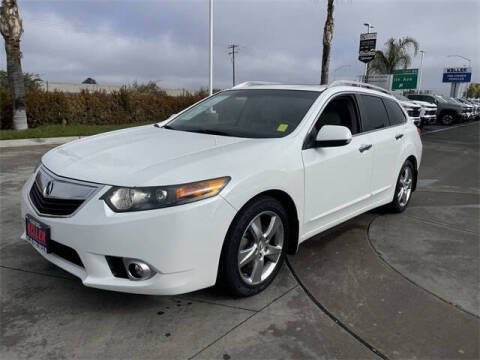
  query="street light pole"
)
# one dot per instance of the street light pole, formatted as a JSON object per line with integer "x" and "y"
{"x": 421, "y": 71}
{"x": 210, "y": 60}
{"x": 453, "y": 86}
{"x": 463, "y": 57}
{"x": 339, "y": 68}
{"x": 369, "y": 26}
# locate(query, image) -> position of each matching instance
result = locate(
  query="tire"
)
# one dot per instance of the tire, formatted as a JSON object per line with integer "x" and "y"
{"x": 256, "y": 248}
{"x": 403, "y": 189}
{"x": 447, "y": 119}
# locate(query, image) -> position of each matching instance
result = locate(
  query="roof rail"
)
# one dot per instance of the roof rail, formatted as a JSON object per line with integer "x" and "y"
{"x": 253, "y": 83}
{"x": 359, "y": 84}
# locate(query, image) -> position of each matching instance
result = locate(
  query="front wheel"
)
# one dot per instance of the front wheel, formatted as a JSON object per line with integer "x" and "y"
{"x": 447, "y": 119}
{"x": 254, "y": 248}
{"x": 404, "y": 188}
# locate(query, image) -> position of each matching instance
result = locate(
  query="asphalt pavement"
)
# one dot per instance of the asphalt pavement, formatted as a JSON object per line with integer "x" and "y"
{"x": 379, "y": 286}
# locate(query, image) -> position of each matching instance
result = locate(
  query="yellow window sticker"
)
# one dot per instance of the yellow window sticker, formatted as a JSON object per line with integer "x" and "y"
{"x": 282, "y": 127}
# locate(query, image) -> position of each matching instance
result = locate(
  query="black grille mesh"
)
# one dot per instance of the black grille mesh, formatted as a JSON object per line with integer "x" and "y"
{"x": 414, "y": 112}
{"x": 49, "y": 206}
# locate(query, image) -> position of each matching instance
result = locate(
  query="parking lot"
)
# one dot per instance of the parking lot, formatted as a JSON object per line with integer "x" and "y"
{"x": 379, "y": 286}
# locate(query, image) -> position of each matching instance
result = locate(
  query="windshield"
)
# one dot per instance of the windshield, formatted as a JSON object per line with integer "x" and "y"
{"x": 401, "y": 97}
{"x": 455, "y": 101}
{"x": 440, "y": 98}
{"x": 247, "y": 113}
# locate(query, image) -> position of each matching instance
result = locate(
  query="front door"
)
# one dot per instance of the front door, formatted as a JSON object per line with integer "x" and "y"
{"x": 337, "y": 179}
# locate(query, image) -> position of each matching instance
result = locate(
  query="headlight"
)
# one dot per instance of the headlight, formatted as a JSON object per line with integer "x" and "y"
{"x": 121, "y": 199}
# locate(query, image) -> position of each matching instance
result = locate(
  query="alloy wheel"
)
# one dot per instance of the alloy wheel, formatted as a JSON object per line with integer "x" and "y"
{"x": 447, "y": 119}
{"x": 405, "y": 190}
{"x": 260, "y": 248}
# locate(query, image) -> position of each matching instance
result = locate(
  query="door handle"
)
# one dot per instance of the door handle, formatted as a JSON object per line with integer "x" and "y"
{"x": 365, "y": 147}
{"x": 398, "y": 136}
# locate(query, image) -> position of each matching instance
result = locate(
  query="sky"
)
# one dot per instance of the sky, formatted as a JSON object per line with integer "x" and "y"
{"x": 121, "y": 41}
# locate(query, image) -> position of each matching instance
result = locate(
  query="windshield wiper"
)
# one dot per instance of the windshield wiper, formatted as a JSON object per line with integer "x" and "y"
{"x": 206, "y": 131}
{"x": 200, "y": 131}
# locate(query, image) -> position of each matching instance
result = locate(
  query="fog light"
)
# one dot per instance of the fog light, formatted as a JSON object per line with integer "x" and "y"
{"x": 138, "y": 270}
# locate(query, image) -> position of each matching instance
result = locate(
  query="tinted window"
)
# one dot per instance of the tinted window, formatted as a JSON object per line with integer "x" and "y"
{"x": 340, "y": 111}
{"x": 395, "y": 113}
{"x": 250, "y": 113}
{"x": 429, "y": 99}
{"x": 374, "y": 115}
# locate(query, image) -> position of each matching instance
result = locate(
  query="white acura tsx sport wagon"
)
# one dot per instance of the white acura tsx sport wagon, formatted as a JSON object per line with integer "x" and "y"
{"x": 222, "y": 191}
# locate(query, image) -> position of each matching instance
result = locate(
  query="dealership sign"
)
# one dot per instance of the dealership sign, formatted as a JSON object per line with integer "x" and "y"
{"x": 383, "y": 81}
{"x": 457, "y": 74}
{"x": 368, "y": 42}
{"x": 404, "y": 79}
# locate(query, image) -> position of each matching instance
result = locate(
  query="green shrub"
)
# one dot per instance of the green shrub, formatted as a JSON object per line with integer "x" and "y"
{"x": 96, "y": 108}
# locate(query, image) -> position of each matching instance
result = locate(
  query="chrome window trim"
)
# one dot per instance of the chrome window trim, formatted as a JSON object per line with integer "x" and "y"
{"x": 94, "y": 189}
{"x": 360, "y": 133}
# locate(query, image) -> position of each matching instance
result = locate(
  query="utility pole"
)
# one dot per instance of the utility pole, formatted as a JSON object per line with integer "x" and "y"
{"x": 210, "y": 57}
{"x": 421, "y": 71}
{"x": 233, "y": 52}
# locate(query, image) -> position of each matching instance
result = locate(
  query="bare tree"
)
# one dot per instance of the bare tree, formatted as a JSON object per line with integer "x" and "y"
{"x": 327, "y": 42}
{"x": 11, "y": 29}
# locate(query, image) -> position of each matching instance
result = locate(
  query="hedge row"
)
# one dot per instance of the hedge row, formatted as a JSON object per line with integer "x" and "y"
{"x": 99, "y": 108}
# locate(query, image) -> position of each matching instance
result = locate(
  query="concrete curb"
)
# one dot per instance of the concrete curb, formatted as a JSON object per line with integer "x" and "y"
{"x": 37, "y": 141}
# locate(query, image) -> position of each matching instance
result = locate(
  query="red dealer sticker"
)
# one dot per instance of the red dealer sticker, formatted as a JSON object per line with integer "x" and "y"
{"x": 37, "y": 233}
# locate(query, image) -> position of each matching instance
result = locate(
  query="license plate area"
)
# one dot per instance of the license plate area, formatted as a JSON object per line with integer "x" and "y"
{"x": 38, "y": 234}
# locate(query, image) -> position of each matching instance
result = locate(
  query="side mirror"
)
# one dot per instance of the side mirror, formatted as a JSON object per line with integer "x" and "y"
{"x": 332, "y": 136}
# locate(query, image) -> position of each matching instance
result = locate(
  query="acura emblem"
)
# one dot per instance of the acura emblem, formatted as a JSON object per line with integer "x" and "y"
{"x": 48, "y": 189}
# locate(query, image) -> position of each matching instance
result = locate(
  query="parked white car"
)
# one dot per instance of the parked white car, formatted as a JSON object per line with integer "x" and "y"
{"x": 428, "y": 111}
{"x": 223, "y": 190}
{"x": 413, "y": 110}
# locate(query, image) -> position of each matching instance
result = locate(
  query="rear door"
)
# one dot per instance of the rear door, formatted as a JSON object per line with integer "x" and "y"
{"x": 386, "y": 140}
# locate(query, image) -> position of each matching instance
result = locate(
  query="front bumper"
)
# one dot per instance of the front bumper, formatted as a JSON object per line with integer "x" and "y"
{"x": 182, "y": 243}
{"x": 429, "y": 118}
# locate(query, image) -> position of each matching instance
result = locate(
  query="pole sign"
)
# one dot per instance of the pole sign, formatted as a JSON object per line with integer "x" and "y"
{"x": 368, "y": 42}
{"x": 457, "y": 74}
{"x": 405, "y": 79}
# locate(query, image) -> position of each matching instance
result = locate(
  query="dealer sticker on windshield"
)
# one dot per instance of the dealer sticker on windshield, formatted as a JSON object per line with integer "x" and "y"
{"x": 282, "y": 127}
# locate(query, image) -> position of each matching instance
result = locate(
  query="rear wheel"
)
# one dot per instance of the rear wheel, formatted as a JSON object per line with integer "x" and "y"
{"x": 404, "y": 188}
{"x": 254, "y": 248}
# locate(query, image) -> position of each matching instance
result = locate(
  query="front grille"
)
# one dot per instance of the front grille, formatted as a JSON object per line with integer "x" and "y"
{"x": 414, "y": 112}
{"x": 51, "y": 206}
{"x": 65, "y": 252}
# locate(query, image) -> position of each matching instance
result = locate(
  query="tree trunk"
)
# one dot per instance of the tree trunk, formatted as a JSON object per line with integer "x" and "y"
{"x": 16, "y": 84}
{"x": 11, "y": 29}
{"x": 327, "y": 43}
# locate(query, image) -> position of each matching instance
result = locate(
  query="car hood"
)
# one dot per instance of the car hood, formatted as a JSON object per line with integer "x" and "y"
{"x": 425, "y": 104}
{"x": 136, "y": 156}
{"x": 409, "y": 104}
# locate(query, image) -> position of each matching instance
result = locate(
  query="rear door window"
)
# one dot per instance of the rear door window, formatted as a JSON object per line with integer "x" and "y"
{"x": 395, "y": 114}
{"x": 374, "y": 114}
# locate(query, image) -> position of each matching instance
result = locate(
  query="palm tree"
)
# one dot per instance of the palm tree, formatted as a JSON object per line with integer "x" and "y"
{"x": 11, "y": 29}
{"x": 327, "y": 42}
{"x": 395, "y": 56}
